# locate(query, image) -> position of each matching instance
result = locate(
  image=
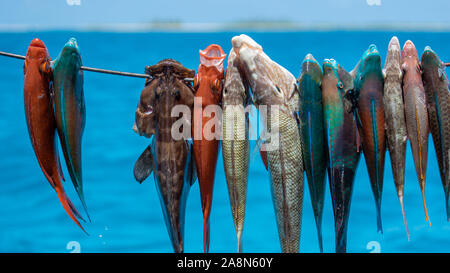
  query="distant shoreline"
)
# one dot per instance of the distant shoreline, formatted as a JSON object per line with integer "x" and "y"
{"x": 229, "y": 27}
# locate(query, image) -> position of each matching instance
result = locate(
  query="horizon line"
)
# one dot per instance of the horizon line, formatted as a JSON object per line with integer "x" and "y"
{"x": 256, "y": 26}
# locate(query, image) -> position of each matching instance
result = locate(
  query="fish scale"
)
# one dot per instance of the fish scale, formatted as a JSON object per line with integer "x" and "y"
{"x": 416, "y": 114}
{"x": 235, "y": 143}
{"x": 272, "y": 85}
{"x": 284, "y": 171}
{"x": 395, "y": 119}
{"x": 312, "y": 133}
{"x": 436, "y": 86}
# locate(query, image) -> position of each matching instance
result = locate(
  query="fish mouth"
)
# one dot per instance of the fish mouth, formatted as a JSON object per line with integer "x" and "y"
{"x": 213, "y": 55}
{"x": 429, "y": 57}
{"x": 409, "y": 50}
{"x": 37, "y": 43}
{"x": 330, "y": 65}
{"x": 394, "y": 44}
{"x": 309, "y": 63}
{"x": 371, "y": 57}
{"x": 244, "y": 40}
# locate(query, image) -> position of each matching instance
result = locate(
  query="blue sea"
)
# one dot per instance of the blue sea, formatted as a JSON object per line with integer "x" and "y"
{"x": 126, "y": 216}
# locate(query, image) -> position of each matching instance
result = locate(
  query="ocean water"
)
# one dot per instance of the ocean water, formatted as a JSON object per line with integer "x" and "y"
{"x": 126, "y": 216}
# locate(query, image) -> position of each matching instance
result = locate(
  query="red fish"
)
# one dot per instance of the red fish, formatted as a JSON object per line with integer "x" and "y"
{"x": 208, "y": 84}
{"x": 41, "y": 121}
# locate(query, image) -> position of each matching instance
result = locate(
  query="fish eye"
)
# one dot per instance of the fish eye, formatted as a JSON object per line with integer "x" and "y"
{"x": 177, "y": 95}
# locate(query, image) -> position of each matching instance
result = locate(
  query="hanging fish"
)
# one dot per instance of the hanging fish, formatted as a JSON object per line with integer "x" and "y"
{"x": 169, "y": 159}
{"x": 208, "y": 84}
{"x": 272, "y": 85}
{"x": 70, "y": 111}
{"x": 312, "y": 133}
{"x": 41, "y": 122}
{"x": 235, "y": 143}
{"x": 436, "y": 85}
{"x": 394, "y": 113}
{"x": 369, "y": 84}
{"x": 343, "y": 144}
{"x": 416, "y": 114}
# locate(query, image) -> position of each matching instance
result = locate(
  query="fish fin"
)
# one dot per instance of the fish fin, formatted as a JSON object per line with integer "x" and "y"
{"x": 375, "y": 141}
{"x": 264, "y": 158}
{"x": 69, "y": 207}
{"x": 206, "y": 230}
{"x": 404, "y": 217}
{"x": 144, "y": 165}
{"x": 239, "y": 241}
{"x": 193, "y": 169}
{"x": 427, "y": 218}
{"x": 262, "y": 153}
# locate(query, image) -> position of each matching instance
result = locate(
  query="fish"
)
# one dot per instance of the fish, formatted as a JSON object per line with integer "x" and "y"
{"x": 273, "y": 85}
{"x": 416, "y": 114}
{"x": 169, "y": 159}
{"x": 313, "y": 136}
{"x": 70, "y": 111}
{"x": 368, "y": 89}
{"x": 235, "y": 142}
{"x": 208, "y": 85}
{"x": 41, "y": 123}
{"x": 436, "y": 86}
{"x": 342, "y": 144}
{"x": 394, "y": 113}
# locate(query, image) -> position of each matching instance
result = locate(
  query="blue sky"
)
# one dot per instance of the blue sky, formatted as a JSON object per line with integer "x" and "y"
{"x": 59, "y": 14}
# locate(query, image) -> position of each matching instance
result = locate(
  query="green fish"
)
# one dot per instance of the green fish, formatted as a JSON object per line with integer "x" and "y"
{"x": 312, "y": 133}
{"x": 369, "y": 85}
{"x": 70, "y": 111}
{"x": 343, "y": 144}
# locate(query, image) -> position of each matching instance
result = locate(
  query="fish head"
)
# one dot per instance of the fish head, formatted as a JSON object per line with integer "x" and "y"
{"x": 393, "y": 60}
{"x": 430, "y": 59}
{"x": 311, "y": 68}
{"x": 166, "y": 89}
{"x": 70, "y": 52}
{"x": 330, "y": 72}
{"x": 270, "y": 83}
{"x": 431, "y": 62}
{"x": 208, "y": 82}
{"x": 409, "y": 55}
{"x": 369, "y": 64}
{"x": 235, "y": 90}
{"x": 37, "y": 58}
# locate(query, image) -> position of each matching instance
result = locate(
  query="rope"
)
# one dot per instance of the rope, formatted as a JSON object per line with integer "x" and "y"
{"x": 92, "y": 69}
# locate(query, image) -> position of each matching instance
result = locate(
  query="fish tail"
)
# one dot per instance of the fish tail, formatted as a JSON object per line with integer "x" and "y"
{"x": 239, "y": 241}
{"x": 404, "y": 217}
{"x": 379, "y": 224}
{"x": 319, "y": 235}
{"x": 425, "y": 207}
{"x": 206, "y": 228}
{"x": 83, "y": 202}
{"x": 69, "y": 207}
{"x": 447, "y": 207}
{"x": 341, "y": 240}
{"x": 375, "y": 141}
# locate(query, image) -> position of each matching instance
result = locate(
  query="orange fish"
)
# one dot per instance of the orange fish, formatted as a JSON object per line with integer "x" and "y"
{"x": 41, "y": 121}
{"x": 208, "y": 84}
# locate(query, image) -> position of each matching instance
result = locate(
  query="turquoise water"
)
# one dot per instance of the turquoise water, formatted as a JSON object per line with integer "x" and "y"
{"x": 126, "y": 216}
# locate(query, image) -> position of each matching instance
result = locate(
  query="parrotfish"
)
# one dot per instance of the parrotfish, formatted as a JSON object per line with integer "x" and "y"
{"x": 272, "y": 85}
{"x": 394, "y": 113}
{"x": 41, "y": 122}
{"x": 169, "y": 158}
{"x": 69, "y": 109}
{"x": 416, "y": 113}
{"x": 342, "y": 138}
{"x": 235, "y": 143}
{"x": 436, "y": 85}
{"x": 208, "y": 84}
{"x": 313, "y": 136}
{"x": 369, "y": 85}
